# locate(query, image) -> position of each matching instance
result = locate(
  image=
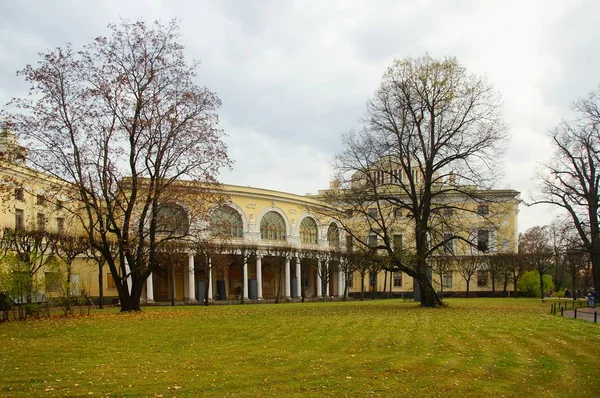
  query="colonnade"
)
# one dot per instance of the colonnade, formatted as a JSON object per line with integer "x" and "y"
{"x": 190, "y": 289}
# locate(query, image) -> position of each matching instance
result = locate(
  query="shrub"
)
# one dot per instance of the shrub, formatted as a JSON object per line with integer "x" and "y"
{"x": 529, "y": 284}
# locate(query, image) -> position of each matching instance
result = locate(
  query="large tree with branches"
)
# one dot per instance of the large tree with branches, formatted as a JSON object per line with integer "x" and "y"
{"x": 430, "y": 133}
{"x": 122, "y": 120}
{"x": 571, "y": 179}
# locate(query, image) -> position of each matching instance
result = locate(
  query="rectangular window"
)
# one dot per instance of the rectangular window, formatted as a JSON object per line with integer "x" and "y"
{"x": 372, "y": 241}
{"x": 75, "y": 285}
{"x": 483, "y": 240}
{"x": 447, "y": 281}
{"x": 397, "y": 243}
{"x": 60, "y": 204}
{"x": 482, "y": 278}
{"x": 397, "y": 279}
{"x": 52, "y": 280}
{"x": 448, "y": 244}
{"x": 349, "y": 243}
{"x": 448, "y": 212}
{"x": 483, "y": 210}
{"x": 41, "y": 221}
{"x": 372, "y": 212}
{"x": 350, "y": 280}
{"x": 398, "y": 212}
{"x": 19, "y": 219}
{"x": 19, "y": 194}
{"x": 372, "y": 279}
{"x": 40, "y": 200}
{"x": 110, "y": 282}
{"x": 60, "y": 225}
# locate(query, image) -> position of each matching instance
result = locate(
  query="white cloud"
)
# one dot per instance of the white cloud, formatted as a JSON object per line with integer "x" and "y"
{"x": 294, "y": 75}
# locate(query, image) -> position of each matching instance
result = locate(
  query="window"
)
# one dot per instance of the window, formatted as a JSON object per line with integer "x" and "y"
{"x": 19, "y": 194}
{"x": 448, "y": 243}
{"x": 482, "y": 278}
{"x": 75, "y": 285}
{"x": 227, "y": 222}
{"x": 52, "y": 280}
{"x": 60, "y": 204}
{"x": 483, "y": 210}
{"x": 448, "y": 212}
{"x": 272, "y": 226}
{"x": 349, "y": 243}
{"x": 396, "y": 175}
{"x": 60, "y": 225}
{"x": 372, "y": 241}
{"x": 483, "y": 240}
{"x": 308, "y": 231}
{"x": 372, "y": 279}
{"x": 333, "y": 235}
{"x": 397, "y": 279}
{"x": 350, "y": 280}
{"x": 372, "y": 212}
{"x": 40, "y": 200}
{"x": 447, "y": 281}
{"x": 19, "y": 219}
{"x": 398, "y": 212}
{"x": 110, "y": 282}
{"x": 415, "y": 175}
{"x": 397, "y": 243}
{"x": 41, "y": 221}
{"x": 172, "y": 219}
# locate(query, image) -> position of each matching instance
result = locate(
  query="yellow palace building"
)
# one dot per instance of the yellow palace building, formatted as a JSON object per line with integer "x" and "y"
{"x": 283, "y": 245}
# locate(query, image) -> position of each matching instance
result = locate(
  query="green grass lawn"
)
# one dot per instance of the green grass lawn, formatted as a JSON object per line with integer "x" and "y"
{"x": 474, "y": 347}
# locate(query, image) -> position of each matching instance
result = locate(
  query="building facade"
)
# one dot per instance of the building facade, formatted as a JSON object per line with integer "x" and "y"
{"x": 272, "y": 244}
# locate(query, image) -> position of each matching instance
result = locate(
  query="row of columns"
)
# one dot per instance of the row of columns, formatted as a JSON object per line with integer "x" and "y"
{"x": 192, "y": 288}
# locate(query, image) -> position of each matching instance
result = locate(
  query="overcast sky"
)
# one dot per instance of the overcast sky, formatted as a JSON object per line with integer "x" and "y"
{"x": 294, "y": 75}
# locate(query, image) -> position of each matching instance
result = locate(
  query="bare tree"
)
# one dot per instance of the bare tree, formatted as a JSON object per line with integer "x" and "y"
{"x": 68, "y": 247}
{"x": 571, "y": 179}
{"x": 430, "y": 130}
{"x": 123, "y": 121}
{"x": 535, "y": 245}
{"x": 442, "y": 266}
{"x": 467, "y": 267}
{"x": 33, "y": 250}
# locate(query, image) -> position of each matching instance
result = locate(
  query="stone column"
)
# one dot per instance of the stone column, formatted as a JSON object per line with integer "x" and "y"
{"x": 149, "y": 289}
{"x": 245, "y": 279}
{"x": 299, "y": 278}
{"x": 328, "y": 269}
{"x": 319, "y": 283}
{"x": 340, "y": 291}
{"x": 209, "y": 288}
{"x": 191, "y": 279}
{"x": 259, "y": 277}
{"x": 287, "y": 277}
{"x": 128, "y": 272}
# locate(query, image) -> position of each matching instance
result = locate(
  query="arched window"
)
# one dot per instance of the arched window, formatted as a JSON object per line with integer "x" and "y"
{"x": 227, "y": 223}
{"x": 333, "y": 235}
{"x": 308, "y": 231}
{"x": 272, "y": 226}
{"x": 172, "y": 219}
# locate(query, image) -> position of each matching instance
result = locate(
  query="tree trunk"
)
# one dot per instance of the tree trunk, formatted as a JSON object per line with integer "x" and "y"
{"x": 68, "y": 288}
{"x": 362, "y": 288}
{"x": 173, "y": 285}
{"x": 100, "y": 285}
{"x": 385, "y": 275}
{"x": 468, "y": 283}
{"x": 345, "y": 286}
{"x": 429, "y": 297}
